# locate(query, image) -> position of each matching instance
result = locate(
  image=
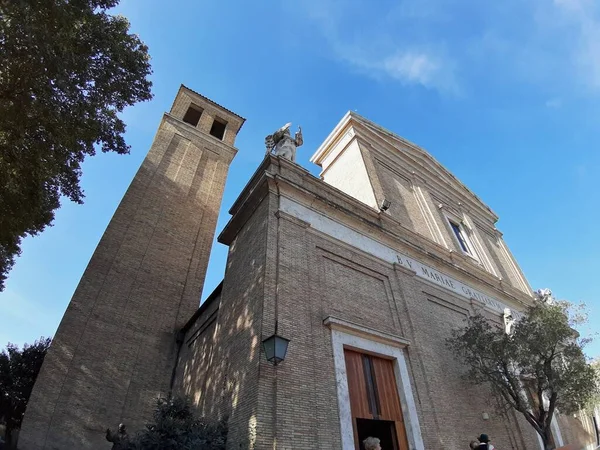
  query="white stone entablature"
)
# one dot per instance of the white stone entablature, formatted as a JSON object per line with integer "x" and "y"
{"x": 373, "y": 247}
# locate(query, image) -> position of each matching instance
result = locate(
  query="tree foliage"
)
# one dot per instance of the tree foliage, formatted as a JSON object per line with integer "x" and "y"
{"x": 539, "y": 368}
{"x": 67, "y": 69}
{"x": 594, "y": 401}
{"x": 18, "y": 372}
{"x": 176, "y": 428}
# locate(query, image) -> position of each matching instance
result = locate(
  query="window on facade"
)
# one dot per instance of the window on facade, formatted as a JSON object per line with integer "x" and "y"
{"x": 461, "y": 237}
{"x": 218, "y": 128}
{"x": 192, "y": 115}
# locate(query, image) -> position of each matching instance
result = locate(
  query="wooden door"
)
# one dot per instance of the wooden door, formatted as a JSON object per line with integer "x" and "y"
{"x": 374, "y": 394}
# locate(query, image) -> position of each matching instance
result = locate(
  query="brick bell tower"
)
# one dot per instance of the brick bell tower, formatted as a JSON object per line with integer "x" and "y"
{"x": 113, "y": 353}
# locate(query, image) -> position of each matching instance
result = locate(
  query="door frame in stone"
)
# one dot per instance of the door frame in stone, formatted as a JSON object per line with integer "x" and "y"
{"x": 352, "y": 336}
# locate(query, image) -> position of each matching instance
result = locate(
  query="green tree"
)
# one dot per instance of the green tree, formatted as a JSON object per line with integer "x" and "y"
{"x": 539, "y": 368}
{"x": 176, "y": 428}
{"x": 594, "y": 401}
{"x": 67, "y": 69}
{"x": 18, "y": 372}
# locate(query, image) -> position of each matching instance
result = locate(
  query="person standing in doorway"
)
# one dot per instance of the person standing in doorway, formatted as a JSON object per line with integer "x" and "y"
{"x": 372, "y": 443}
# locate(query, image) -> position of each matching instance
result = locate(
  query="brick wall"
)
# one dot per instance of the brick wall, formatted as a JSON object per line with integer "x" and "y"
{"x": 320, "y": 278}
{"x": 280, "y": 268}
{"x": 307, "y": 277}
{"x": 113, "y": 352}
{"x": 219, "y": 368}
{"x": 577, "y": 429}
{"x": 420, "y": 190}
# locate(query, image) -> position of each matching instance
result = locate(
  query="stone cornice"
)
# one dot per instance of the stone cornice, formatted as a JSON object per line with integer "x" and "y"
{"x": 428, "y": 172}
{"x": 245, "y": 209}
{"x": 378, "y": 336}
{"x": 263, "y": 181}
{"x": 424, "y": 173}
{"x": 425, "y": 167}
{"x": 251, "y": 185}
{"x": 424, "y": 155}
{"x": 334, "y": 136}
{"x": 281, "y": 177}
{"x": 239, "y": 120}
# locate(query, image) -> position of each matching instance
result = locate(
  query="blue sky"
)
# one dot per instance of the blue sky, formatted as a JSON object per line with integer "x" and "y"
{"x": 504, "y": 94}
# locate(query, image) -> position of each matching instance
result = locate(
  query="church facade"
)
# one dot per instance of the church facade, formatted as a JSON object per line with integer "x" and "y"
{"x": 365, "y": 270}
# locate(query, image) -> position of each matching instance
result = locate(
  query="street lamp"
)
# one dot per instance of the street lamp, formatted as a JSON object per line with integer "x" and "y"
{"x": 275, "y": 348}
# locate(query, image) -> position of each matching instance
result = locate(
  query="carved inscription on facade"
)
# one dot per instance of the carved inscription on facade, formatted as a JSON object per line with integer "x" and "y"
{"x": 456, "y": 286}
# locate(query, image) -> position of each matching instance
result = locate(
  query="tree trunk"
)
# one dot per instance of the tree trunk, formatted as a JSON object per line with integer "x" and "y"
{"x": 547, "y": 438}
{"x": 8, "y": 437}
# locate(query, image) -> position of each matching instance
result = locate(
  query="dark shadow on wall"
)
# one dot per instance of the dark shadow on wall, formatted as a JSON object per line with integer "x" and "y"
{"x": 220, "y": 357}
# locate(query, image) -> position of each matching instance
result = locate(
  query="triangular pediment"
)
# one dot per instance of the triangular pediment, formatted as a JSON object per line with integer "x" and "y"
{"x": 390, "y": 145}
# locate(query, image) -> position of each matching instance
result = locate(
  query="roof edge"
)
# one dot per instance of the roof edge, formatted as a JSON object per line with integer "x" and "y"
{"x": 213, "y": 295}
{"x": 321, "y": 152}
{"x": 427, "y": 155}
{"x": 324, "y": 149}
{"x": 212, "y": 102}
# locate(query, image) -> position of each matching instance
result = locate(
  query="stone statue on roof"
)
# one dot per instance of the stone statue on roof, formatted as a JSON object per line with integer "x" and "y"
{"x": 544, "y": 295}
{"x": 282, "y": 144}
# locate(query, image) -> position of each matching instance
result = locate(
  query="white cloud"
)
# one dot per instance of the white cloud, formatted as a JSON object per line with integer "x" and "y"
{"x": 552, "y": 46}
{"x": 372, "y": 44}
{"x": 582, "y": 18}
{"x": 554, "y": 103}
{"x": 572, "y": 5}
{"x": 412, "y": 67}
